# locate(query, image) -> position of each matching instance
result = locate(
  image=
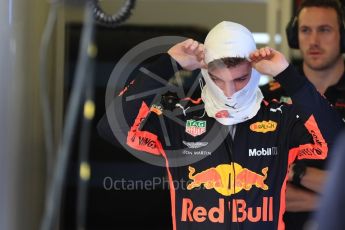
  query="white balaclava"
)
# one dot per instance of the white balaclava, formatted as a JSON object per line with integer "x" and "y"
{"x": 229, "y": 39}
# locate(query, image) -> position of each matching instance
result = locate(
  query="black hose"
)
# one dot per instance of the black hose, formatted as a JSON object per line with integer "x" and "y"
{"x": 44, "y": 95}
{"x": 82, "y": 76}
{"x": 84, "y": 148}
{"x": 112, "y": 20}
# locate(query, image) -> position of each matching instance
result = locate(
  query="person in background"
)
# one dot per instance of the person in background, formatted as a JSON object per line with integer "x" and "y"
{"x": 330, "y": 214}
{"x": 318, "y": 32}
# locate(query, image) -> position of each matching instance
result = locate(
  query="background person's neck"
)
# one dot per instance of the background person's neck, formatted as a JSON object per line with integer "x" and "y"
{"x": 323, "y": 79}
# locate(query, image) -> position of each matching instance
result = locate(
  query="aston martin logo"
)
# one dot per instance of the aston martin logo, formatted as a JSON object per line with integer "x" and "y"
{"x": 195, "y": 145}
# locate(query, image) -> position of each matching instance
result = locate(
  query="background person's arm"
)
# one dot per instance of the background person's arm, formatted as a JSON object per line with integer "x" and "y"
{"x": 300, "y": 200}
{"x": 312, "y": 178}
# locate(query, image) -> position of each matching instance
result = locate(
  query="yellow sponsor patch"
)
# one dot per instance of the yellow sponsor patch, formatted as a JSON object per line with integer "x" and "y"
{"x": 156, "y": 109}
{"x": 274, "y": 86}
{"x": 263, "y": 126}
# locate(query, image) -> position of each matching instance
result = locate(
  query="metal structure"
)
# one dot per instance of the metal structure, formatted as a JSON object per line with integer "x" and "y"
{"x": 22, "y": 155}
{"x": 22, "y": 177}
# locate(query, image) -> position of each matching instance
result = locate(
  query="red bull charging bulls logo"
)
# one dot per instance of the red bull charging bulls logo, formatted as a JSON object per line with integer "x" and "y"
{"x": 228, "y": 179}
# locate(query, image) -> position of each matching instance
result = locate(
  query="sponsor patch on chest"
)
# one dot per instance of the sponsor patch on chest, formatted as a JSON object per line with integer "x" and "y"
{"x": 263, "y": 126}
{"x": 195, "y": 127}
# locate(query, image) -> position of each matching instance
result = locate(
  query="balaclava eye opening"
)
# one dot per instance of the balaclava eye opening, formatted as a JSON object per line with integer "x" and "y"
{"x": 229, "y": 39}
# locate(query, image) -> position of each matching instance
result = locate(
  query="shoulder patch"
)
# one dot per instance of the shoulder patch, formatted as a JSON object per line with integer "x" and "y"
{"x": 157, "y": 109}
{"x": 274, "y": 85}
{"x": 286, "y": 100}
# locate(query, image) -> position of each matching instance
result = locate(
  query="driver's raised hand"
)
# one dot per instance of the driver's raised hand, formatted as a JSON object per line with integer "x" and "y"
{"x": 189, "y": 54}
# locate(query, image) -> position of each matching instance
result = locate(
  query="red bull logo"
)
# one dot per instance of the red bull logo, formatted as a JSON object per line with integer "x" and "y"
{"x": 210, "y": 178}
{"x": 238, "y": 208}
{"x": 228, "y": 179}
{"x": 247, "y": 179}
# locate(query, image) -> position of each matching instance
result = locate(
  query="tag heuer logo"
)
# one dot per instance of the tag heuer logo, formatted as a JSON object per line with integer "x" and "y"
{"x": 195, "y": 128}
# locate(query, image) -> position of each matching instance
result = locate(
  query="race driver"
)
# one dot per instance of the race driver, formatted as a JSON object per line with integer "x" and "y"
{"x": 243, "y": 144}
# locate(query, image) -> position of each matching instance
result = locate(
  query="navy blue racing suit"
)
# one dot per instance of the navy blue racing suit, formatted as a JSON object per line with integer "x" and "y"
{"x": 336, "y": 96}
{"x": 228, "y": 177}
